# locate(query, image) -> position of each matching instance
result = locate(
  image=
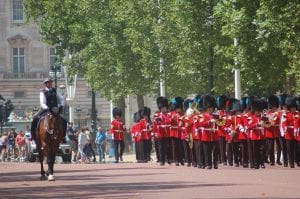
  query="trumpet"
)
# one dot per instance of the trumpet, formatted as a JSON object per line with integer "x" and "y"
{"x": 220, "y": 121}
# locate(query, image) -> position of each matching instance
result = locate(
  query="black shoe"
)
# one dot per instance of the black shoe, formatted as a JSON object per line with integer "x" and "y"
{"x": 279, "y": 163}
{"x": 182, "y": 163}
{"x": 215, "y": 166}
{"x": 298, "y": 164}
{"x": 272, "y": 164}
{"x": 256, "y": 167}
{"x": 121, "y": 158}
{"x": 177, "y": 164}
{"x": 262, "y": 166}
{"x": 292, "y": 166}
{"x": 162, "y": 164}
{"x": 245, "y": 165}
{"x": 188, "y": 164}
{"x": 209, "y": 167}
{"x": 169, "y": 162}
{"x": 117, "y": 161}
{"x": 236, "y": 165}
{"x": 231, "y": 164}
{"x": 251, "y": 166}
{"x": 285, "y": 165}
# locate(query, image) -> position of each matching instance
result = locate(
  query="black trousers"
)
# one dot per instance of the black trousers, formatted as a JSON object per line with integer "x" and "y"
{"x": 147, "y": 147}
{"x": 139, "y": 151}
{"x": 270, "y": 154}
{"x": 250, "y": 152}
{"x": 187, "y": 151}
{"x": 258, "y": 152}
{"x": 156, "y": 146}
{"x": 282, "y": 142}
{"x": 278, "y": 149}
{"x": 177, "y": 152}
{"x": 243, "y": 152}
{"x": 232, "y": 149}
{"x": 199, "y": 153}
{"x": 222, "y": 146}
{"x": 163, "y": 146}
{"x": 290, "y": 146}
{"x": 211, "y": 152}
{"x": 119, "y": 149}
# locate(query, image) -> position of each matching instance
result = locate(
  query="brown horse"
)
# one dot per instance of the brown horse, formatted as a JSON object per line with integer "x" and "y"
{"x": 49, "y": 136}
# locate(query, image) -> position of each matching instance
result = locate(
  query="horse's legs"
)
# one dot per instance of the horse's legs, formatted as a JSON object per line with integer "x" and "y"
{"x": 50, "y": 162}
{"x": 41, "y": 159}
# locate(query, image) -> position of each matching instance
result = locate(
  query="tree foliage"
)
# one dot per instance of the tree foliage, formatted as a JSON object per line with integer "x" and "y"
{"x": 117, "y": 45}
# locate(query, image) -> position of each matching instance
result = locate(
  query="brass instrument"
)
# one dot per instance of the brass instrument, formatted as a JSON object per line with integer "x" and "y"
{"x": 267, "y": 120}
{"x": 220, "y": 121}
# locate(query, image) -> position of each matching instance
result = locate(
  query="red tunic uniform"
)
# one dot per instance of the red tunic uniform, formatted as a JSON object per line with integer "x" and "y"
{"x": 135, "y": 132}
{"x": 208, "y": 126}
{"x": 195, "y": 127}
{"x": 117, "y": 129}
{"x": 290, "y": 125}
{"x": 175, "y": 130}
{"x": 257, "y": 132}
{"x": 161, "y": 125}
{"x": 273, "y": 131}
{"x": 221, "y": 129}
{"x": 232, "y": 126}
{"x": 186, "y": 127}
{"x": 145, "y": 129}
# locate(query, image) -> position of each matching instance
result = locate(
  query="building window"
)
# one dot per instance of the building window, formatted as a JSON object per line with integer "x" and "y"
{"x": 52, "y": 56}
{"x": 18, "y": 11}
{"x": 18, "y": 60}
{"x": 19, "y": 94}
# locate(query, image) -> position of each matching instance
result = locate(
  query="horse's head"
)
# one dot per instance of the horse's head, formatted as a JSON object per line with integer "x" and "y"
{"x": 53, "y": 124}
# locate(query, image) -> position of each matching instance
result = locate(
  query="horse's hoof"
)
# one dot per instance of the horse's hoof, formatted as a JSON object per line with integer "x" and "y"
{"x": 43, "y": 178}
{"x": 51, "y": 178}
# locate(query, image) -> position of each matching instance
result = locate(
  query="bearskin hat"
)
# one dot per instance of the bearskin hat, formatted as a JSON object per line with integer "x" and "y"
{"x": 162, "y": 102}
{"x": 117, "y": 111}
{"x": 177, "y": 102}
{"x": 273, "y": 101}
{"x": 208, "y": 101}
{"x": 246, "y": 102}
{"x": 234, "y": 105}
{"x": 264, "y": 103}
{"x": 186, "y": 104}
{"x": 257, "y": 105}
{"x": 282, "y": 99}
{"x": 221, "y": 101}
{"x": 146, "y": 111}
{"x": 291, "y": 102}
{"x": 137, "y": 116}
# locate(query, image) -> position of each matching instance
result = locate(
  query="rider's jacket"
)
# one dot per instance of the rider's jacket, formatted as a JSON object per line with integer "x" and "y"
{"x": 51, "y": 99}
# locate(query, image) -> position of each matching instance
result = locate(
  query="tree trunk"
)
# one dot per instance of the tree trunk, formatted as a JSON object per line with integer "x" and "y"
{"x": 140, "y": 101}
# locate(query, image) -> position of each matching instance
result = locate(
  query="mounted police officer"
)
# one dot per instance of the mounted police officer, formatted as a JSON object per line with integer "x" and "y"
{"x": 49, "y": 99}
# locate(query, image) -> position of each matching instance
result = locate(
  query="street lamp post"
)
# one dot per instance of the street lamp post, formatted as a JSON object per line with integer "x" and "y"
{"x": 78, "y": 110}
{"x": 55, "y": 72}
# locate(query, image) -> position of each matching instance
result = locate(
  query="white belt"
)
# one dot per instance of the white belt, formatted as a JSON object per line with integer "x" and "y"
{"x": 174, "y": 127}
{"x": 120, "y": 131}
{"x": 165, "y": 125}
{"x": 290, "y": 127}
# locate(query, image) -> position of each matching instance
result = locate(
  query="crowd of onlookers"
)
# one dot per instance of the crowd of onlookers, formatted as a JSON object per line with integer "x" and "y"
{"x": 13, "y": 145}
{"x": 85, "y": 147}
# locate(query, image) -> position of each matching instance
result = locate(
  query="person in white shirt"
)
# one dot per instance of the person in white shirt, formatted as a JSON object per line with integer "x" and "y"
{"x": 83, "y": 140}
{"x": 49, "y": 100}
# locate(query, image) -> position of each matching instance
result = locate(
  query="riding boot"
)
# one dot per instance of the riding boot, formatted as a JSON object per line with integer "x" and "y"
{"x": 33, "y": 128}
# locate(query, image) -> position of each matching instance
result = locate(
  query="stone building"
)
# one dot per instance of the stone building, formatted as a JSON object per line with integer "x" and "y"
{"x": 25, "y": 62}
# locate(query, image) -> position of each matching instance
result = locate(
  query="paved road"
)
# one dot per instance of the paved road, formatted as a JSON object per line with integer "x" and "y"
{"x": 147, "y": 180}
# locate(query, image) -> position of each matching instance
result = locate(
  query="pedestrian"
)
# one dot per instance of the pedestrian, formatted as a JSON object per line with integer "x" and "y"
{"x": 82, "y": 142}
{"x": 89, "y": 147}
{"x": 100, "y": 142}
{"x": 21, "y": 145}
